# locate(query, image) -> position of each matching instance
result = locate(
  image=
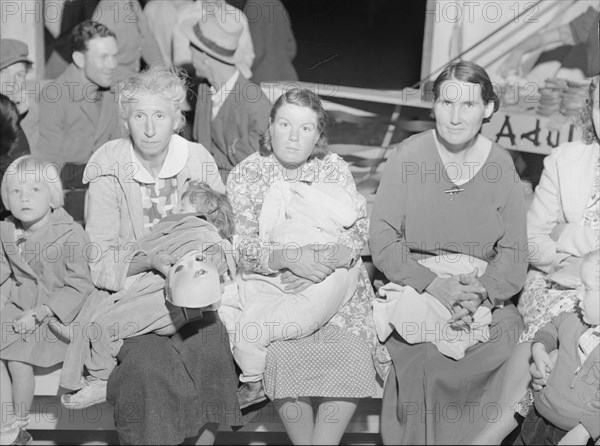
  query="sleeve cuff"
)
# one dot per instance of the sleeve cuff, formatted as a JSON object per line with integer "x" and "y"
{"x": 545, "y": 339}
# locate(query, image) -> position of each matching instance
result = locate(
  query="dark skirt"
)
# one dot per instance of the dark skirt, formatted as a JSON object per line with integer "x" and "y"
{"x": 432, "y": 399}
{"x": 165, "y": 389}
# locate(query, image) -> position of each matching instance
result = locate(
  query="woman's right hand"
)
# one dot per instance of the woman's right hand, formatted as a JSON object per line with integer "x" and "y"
{"x": 307, "y": 262}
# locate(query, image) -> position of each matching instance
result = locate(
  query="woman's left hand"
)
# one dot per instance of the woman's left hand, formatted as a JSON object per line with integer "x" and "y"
{"x": 294, "y": 283}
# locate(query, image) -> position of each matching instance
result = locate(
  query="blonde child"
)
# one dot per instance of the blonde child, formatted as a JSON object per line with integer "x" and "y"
{"x": 196, "y": 234}
{"x": 567, "y": 391}
{"x": 45, "y": 278}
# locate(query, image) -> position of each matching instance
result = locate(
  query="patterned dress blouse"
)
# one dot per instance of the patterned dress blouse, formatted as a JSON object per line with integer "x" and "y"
{"x": 247, "y": 186}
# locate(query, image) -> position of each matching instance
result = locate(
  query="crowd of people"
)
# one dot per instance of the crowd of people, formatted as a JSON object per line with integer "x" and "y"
{"x": 225, "y": 268}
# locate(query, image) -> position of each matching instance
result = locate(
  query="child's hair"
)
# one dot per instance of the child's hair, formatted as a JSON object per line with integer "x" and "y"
{"x": 28, "y": 167}
{"x": 213, "y": 205}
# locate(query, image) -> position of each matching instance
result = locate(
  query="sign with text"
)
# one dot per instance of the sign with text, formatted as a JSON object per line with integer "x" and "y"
{"x": 528, "y": 132}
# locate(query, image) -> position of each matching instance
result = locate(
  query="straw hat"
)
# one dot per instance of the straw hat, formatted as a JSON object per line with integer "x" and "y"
{"x": 215, "y": 28}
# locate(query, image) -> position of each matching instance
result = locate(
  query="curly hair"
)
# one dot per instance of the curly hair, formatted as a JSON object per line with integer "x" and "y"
{"x": 301, "y": 97}
{"x": 584, "y": 118}
{"x": 159, "y": 80}
{"x": 213, "y": 205}
{"x": 86, "y": 31}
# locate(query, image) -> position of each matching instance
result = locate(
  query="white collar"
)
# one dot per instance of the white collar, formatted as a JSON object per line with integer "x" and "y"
{"x": 174, "y": 163}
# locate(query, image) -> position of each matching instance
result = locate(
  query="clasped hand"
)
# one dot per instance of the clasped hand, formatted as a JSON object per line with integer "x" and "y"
{"x": 461, "y": 294}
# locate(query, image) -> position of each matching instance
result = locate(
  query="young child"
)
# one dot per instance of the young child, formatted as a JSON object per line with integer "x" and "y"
{"x": 198, "y": 233}
{"x": 293, "y": 214}
{"x": 45, "y": 278}
{"x": 567, "y": 408}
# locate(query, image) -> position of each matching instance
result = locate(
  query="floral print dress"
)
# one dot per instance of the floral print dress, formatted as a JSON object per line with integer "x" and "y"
{"x": 336, "y": 361}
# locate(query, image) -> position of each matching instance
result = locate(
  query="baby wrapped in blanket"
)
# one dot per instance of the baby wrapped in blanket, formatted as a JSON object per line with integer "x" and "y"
{"x": 294, "y": 214}
{"x": 422, "y": 318}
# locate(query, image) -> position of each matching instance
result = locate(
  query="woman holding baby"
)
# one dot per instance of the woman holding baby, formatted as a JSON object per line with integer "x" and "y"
{"x": 305, "y": 297}
{"x": 451, "y": 194}
{"x": 165, "y": 389}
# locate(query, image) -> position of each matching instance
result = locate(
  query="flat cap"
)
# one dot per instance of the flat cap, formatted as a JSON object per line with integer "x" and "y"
{"x": 13, "y": 51}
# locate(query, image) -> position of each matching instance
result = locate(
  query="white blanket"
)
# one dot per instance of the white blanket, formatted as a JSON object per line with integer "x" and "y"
{"x": 422, "y": 318}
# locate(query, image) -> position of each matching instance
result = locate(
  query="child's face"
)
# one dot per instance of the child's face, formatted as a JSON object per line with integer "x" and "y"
{"x": 29, "y": 200}
{"x": 185, "y": 207}
{"x": 589, "y": 296}
{"x": 193, "y": 282}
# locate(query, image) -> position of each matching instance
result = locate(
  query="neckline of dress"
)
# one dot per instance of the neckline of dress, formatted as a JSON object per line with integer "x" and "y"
{"x": 443, "y": 164}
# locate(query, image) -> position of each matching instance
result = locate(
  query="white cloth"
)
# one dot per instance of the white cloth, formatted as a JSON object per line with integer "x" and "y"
{"x": 293, "y": 214}
{"x": 562, "y": 196}
{"x": 422, "y": 318}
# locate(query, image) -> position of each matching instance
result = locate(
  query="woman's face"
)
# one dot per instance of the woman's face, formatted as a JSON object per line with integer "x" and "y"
{"x": 459, "y": 112}
{"x": 294, "y": 134}
{"x": 152, "y": 121}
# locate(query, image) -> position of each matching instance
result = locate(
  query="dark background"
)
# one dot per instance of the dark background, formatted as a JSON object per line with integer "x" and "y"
{"x": 358, "y": 43}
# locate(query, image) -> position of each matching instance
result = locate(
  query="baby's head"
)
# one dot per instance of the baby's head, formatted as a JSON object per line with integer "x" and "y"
{"x": 31, "y": 189}
{"x": 201, "y": 199}
{"x": 589, "y": 296}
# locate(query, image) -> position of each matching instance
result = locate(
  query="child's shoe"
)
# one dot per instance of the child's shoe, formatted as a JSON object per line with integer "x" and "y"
{"x": 23, "y": 437}
{"x": 93, "y": 393}
{"x": 8, "y": 433}
{"x": 251, "y": 393}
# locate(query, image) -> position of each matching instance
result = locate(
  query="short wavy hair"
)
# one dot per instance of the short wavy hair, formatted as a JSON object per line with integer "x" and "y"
{"x": 301, "y": 97}
{"x": 43, "y": 171}
{"x": 585, "y": 119}
{"x": 86, "y": 31}
{"x": 158, "y": 80}
{"x": 465, "y": 71}
{"x": 214, "y": 205}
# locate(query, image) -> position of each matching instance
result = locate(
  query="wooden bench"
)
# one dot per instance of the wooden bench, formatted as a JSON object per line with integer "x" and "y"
{"x": 47, "y": 414}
